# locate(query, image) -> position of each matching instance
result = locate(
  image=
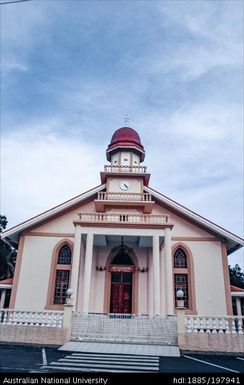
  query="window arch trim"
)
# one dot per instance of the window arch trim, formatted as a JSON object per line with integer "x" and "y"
{"x": 52, "y": 278}
{"x": 189, "y": 270}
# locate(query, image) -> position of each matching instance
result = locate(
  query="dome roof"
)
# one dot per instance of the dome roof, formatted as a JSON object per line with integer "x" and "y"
{"x": 126, "y": 137}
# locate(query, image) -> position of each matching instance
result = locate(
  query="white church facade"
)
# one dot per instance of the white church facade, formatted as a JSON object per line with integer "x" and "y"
{"x": 123, "y": 248}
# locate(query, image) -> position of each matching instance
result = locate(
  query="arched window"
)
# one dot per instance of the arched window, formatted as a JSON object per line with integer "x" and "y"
{"x": 183, "y": 276}
{"x": 122, "y": 259}
{"x": 180, "y": 259}
{"x": 64, "y": 255}
{"x": 60, "y": 275}
{"x": 62, "y": 279}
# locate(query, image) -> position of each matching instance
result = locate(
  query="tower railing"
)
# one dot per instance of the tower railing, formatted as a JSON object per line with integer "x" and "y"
{"x": 108, "y": 196}
{"x": 125, "y": 169}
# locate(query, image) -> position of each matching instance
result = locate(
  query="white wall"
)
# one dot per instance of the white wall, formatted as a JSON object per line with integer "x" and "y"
{"x": 35, "y": 273}
{"x": 64, "y": 223}
{"x": 182, "y": 227}
{"x": 209, "y": 277}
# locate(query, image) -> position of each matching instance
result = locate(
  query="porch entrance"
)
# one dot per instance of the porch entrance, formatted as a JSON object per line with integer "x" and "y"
{"x": 121, "y": 292}
{"x": 121, "y": 270}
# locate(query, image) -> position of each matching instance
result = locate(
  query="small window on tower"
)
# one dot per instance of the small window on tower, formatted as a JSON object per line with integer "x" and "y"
{"x": 135, "y": 161}
{"x": 115, "y": 161}
{"x": 126, "y": 160}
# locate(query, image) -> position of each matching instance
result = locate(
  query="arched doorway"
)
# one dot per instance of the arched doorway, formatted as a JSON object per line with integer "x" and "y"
{"x": 122, "y": 269}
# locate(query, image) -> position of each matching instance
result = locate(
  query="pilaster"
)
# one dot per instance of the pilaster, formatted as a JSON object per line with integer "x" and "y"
{"x": 87, "y": 272}
{"x": 169, "y": 272}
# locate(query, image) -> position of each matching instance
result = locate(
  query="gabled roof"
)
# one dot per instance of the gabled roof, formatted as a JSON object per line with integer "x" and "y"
{"x": 233, "y": 242}
{"x": 12, "y": 235}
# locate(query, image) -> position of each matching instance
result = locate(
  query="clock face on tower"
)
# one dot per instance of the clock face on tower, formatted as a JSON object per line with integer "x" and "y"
{"x": 124, "y": 185}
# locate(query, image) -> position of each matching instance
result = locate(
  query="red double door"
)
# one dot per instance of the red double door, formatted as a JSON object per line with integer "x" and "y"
{"x": 121, "y": 293}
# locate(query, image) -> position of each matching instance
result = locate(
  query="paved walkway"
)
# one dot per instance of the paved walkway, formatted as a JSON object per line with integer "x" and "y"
{"x": 118, "y": 348}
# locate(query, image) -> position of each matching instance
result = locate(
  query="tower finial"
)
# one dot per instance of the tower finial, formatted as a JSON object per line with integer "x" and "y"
{"x": 126, "y": 119}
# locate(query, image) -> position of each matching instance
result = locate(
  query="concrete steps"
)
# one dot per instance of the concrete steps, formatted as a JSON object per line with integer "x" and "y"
{"x": 126, "y": 329}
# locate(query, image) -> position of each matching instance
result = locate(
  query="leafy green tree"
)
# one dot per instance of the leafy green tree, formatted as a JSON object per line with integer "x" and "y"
{"x": 236, "y": 276}
{"x": 7, "y": 254}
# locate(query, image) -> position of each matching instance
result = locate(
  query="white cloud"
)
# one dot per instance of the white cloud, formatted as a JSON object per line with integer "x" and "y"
{"x": 219, "y": 21}
{"x": 23, "y": 26}
{"x": 208, "y": 122}
{"x": 40, "y": 171}
{"x": 13, "y": 65}
{"x": 212, "y": 36}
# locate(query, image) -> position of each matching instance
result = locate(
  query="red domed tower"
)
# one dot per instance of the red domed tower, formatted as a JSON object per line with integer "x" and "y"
{"x": 125, "y": 152}
{"x": 126, "y": 140}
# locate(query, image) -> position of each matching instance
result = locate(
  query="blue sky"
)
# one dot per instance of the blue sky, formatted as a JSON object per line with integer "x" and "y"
{"x": 72, "y": 69}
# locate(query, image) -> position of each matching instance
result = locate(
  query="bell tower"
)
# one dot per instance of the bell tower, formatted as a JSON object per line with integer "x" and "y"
{"x": 125, "y": 148}
{"x": 125, "y": 177}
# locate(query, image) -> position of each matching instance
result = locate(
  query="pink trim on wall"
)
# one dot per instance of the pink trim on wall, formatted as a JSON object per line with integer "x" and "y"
{"x": 190, "y": 272}
{"x": 58, "y": 235}
{"x": 226, "y": 279}
{"x": 17, "y": 272}
{"x": 124, "y": 225}
{"x": 195, "y": 239}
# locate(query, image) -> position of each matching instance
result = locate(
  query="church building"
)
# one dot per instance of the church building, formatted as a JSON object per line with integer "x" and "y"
{"x": 122, "y": 247}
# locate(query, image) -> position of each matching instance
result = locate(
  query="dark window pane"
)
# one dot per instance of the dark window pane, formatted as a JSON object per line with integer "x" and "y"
{"x": 64, "y": 255}
{"x": 180, "y": 259}
{"x": 116, "y": 277}
{"x": 61, "y": 286}
{"x": 127, "y": 277}
{"x": 181, "y": 283}
{"x": 122, "y": 259}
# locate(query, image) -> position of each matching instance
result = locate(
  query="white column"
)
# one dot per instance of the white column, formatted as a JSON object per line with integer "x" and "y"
{"x": 162, "y": 283}
{"x": 87, "y": 273}
{"x": 169, "y": 272}
{"x": 238, "y": 306}
{"x": 150, "y": 286}
{"x": 3, "y": 296}
{"x": 156, "y": 276}
{"x": 76, "y": 264}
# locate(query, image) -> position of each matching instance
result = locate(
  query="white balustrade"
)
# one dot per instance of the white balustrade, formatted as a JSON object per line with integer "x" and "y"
{"x": 16, "y": 317}
{"x": 219, "y": 324}
{"x": 125, "y": 169}
{"x": 124, "y": 218}
{"x": 104, "y": 196}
